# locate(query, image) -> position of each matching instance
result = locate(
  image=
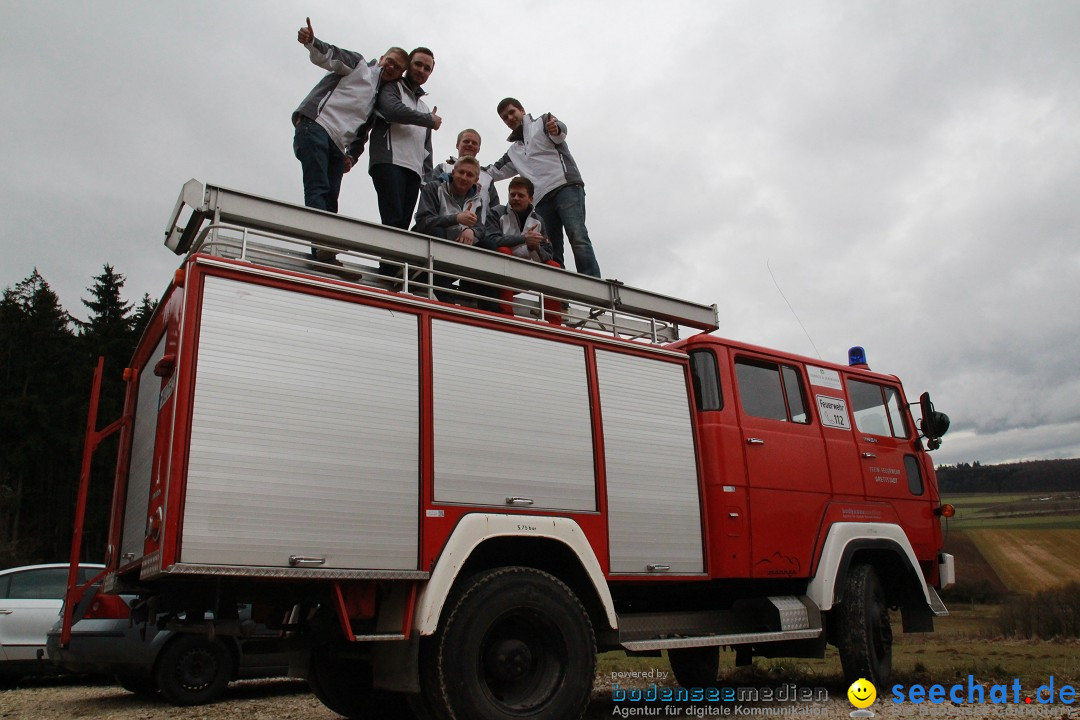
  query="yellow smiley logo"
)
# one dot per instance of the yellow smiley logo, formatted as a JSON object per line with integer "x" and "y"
{"x": 862, "y": 693}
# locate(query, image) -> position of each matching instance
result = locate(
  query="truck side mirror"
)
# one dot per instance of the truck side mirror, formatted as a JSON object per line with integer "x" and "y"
{"x": 934, "y": 424}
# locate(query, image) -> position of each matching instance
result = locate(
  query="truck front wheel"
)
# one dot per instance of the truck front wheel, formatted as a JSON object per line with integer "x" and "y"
{"x": 863, "y": 633}
{"x": 517, "y": 643}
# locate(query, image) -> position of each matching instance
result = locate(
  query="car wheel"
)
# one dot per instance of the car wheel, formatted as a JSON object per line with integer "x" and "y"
{"x": 141, "y": 686}
{"x": 193, "y": 670}
{"x": 864, "y": 634}
{"x": 344, "y": 684}
{"x": 695, "y": 667}
{"x": 517, "y": 643}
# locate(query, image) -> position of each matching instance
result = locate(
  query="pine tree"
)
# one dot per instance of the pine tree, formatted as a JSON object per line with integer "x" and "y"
{"x": 109, "y": 332}
{"x": 142, "y": 315}
{"x": 110, "y": 326}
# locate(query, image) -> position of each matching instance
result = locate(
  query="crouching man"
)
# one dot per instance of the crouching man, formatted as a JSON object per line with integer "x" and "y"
{"x": 517, "y": 229}
{"x": 450, "y": 209}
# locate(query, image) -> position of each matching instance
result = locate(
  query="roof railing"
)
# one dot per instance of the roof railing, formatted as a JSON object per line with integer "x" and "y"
{"x": 213, "y": 220}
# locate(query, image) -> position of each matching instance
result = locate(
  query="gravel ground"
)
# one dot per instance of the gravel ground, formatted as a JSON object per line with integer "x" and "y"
{"x": 289, "y": 699}
{"x": 282, "y": 698}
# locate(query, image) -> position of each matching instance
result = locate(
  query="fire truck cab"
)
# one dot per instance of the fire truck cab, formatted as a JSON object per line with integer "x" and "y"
{"x": 448, "y": 512}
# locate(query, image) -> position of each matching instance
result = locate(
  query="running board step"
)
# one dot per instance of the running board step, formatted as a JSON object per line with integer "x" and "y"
{"x": 936, "y": 605}
{"x": 707, "y": 640}
{"x": 758, "y": 620}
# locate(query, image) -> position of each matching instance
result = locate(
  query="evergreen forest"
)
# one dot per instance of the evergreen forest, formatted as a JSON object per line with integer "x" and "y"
{"x": 47, "y": 362}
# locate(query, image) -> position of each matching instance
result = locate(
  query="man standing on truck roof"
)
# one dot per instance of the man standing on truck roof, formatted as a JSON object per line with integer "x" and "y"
{"x": 330, "y": 118}
{"x": 468, "y": 143}
{"x": 400, "y": 150}
{"x": 538, "y": 150}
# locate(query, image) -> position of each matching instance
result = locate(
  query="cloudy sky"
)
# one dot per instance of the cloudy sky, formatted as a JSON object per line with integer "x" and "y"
{"x": 905, "y": 174}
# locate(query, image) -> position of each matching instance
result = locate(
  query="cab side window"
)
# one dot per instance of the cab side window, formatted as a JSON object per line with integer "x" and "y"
{"x": 877, "y": 409}
{"x": 914, "y": 474}
{"x": 706, "y": 379}
{"x": 770, "y": 390}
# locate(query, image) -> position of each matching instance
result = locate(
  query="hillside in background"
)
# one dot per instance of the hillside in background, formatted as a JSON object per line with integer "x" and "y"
{"x": 1035, "y": 476}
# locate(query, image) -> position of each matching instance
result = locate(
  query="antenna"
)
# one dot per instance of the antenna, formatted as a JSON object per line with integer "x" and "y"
{"x": 769, "y": 268}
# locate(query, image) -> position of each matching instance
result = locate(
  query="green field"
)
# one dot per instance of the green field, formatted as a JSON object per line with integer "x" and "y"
{"x": 1018, "y": 542}
{"x": 1048, "y": 511}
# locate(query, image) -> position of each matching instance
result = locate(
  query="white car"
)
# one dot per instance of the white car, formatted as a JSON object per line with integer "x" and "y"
{"x": 30, "y": 602}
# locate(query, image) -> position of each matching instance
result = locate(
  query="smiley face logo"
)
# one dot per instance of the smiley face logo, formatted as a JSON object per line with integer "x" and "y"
{"x": 862, "y": 693}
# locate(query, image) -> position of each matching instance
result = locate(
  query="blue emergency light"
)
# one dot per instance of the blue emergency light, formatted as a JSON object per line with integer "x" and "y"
{"x": 856, "y": 356}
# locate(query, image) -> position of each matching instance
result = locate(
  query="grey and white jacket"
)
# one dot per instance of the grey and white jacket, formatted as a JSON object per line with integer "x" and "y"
{"x": 436, "y": 213}
{"x": 343, "y": 100}
{"x": 401, "y": 130}
{"x": 489, "y": 196}
{"x": 545, "y": 159}
{"x": 504, "y": 228}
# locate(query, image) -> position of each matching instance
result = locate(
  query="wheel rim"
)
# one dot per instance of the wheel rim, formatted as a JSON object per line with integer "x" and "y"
{"x": 522, "y": 660}
{"x": 197, "y": 669}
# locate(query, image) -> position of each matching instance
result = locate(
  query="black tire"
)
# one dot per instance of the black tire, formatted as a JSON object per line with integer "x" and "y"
{"x": 144, "y": 687}
{"x": 863, "y": 633}
{"x": 193, "y": 670}
{"x": 695, "y": 667}
{"x": 344, "y": 684}
{"x": 516, "y": 643}
{"x": 429, "y": 704}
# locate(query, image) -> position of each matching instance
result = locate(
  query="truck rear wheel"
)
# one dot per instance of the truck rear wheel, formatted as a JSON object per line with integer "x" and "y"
{"x": 517, "y": 643}
{"x": 695, "y": 667}
{"x": 864, "y": 635}
{"x": 344, "y": 684}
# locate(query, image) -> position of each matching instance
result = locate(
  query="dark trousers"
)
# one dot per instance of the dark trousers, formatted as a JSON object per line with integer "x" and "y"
{"x": 398, "y": 189}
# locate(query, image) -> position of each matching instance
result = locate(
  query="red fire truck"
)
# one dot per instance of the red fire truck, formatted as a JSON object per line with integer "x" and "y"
{"x": 448, "y": 512}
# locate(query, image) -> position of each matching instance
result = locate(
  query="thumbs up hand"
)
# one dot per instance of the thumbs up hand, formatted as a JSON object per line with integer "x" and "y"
{"x": 306, "y": 34}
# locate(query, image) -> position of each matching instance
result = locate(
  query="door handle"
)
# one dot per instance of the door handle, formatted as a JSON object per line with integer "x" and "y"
{"x": 6, "y": 612}
{"x": 300, "y": 560}
{"x": 869, "y": 456}
{"x": 754, "y": 441}
{"x": 657, "y": 568}
{"x": 521, "y": 501}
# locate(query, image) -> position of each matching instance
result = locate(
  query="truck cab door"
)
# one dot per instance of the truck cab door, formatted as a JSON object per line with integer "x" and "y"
{"x": 891, "y": 468}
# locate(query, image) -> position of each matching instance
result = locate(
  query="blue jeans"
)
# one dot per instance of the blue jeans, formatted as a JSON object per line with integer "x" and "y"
{"x": 322, "y": 163}
{"x": 565, "y": 208}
